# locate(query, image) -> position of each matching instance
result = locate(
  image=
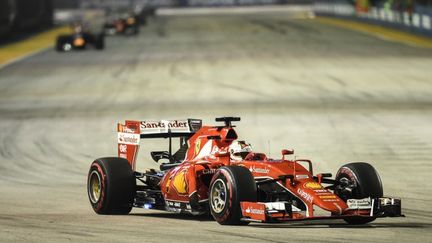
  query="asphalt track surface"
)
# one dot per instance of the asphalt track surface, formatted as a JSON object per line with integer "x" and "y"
{"x": 333, "y": 95}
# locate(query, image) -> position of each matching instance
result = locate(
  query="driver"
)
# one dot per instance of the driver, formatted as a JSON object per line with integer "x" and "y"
{"x": 77, "y": 28}
{"x": 239, "y": 150}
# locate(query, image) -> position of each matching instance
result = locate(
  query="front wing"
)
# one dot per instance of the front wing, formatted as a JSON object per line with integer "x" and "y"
{"x": 274, "y": 212}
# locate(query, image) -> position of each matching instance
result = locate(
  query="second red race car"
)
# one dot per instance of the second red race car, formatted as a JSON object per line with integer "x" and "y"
{"x": 213, "y": 172}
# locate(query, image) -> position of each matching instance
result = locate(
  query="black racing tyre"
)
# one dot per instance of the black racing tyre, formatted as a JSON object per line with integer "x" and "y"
{"x": 64, "y": 43}
{"x": 61, "y": 40}
{"x": 229, "y": 186}
{"x": 358, "y": 180}
{"x": 58, "y": 45}
{"x": 111, "y": 186}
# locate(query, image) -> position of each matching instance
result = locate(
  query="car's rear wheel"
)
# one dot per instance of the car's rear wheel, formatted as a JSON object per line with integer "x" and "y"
{"x": 111, "y": 186}
{"x": 229, "y": 186}
{"x": 358, "y": 180}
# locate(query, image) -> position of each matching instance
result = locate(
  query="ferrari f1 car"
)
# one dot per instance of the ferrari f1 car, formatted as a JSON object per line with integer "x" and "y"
{"x": 126, "y": 25}
{"x": 202, "y": 177}
{"x": 80, "y": 40}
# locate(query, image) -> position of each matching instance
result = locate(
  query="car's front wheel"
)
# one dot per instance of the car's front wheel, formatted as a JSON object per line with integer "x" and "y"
{"x": 229, "y": 186}
{"x": 357, "y": 181}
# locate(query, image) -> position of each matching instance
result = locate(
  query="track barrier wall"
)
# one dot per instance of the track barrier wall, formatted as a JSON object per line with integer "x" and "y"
{"x": 416, "y": 19}
{"x": 22, "y": 15}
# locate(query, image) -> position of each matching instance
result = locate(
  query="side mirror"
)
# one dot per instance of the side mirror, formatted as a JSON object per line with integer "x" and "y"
{"x": 287, "y": 151}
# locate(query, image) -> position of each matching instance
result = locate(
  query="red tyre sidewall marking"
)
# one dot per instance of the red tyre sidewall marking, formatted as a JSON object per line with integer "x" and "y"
{"x": 229, "y": 185}
{"x": 347, "y": 171}
{"x": 102, "y": 196}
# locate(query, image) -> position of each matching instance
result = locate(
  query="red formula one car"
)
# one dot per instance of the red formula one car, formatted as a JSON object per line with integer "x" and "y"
{"x": 126, "y": 25}
{"x": 205, "y": 175}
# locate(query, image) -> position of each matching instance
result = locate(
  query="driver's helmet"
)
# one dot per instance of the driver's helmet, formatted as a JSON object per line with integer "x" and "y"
{"x": 77, "y": 28}
{"x": 239, "y": 149}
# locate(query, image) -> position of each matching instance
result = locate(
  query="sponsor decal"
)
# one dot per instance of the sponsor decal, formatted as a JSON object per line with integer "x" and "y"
{"x": 328, "y": 197}
{"x": 125, "y": 129}
{"x": 174, "y": 204}
{"x": 364, "y": 203}
{"x": 123, "y": 148}
{"x": 312, "y": 185}
{"x": 179, "y": 182}
{"x": 302, "y": 176}
{"x": 321, "y": 191}
{"x": 330, "y": 200}
{"x": 128, "y": 138}
{"x": 197, "y": 146}
{"x": 259, "y": 170}
{"x": 254, "y": 210}
{"x": 305, "y": 195}
{"x": 208, "y": 171}
{"x": 161, "y": 126}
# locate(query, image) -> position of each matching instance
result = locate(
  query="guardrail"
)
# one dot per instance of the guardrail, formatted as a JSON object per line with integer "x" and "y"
{"x": 418, "y": 19}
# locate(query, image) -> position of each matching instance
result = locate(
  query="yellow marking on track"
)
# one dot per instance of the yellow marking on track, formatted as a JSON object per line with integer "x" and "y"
{"x": 33, "y": 44}
{"x": 382, "y": 32}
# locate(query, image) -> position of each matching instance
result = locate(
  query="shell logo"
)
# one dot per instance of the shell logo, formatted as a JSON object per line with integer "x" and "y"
{"x": 179, "y": 182}
{"x": 312, "y": 185}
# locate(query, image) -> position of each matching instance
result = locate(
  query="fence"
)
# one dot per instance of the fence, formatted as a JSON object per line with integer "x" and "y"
{"x": 413, "y": 18}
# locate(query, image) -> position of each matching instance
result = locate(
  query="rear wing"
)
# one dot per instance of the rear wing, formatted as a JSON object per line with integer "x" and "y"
{"x": 129, "y": 134}
{"x": 173, "y": 128}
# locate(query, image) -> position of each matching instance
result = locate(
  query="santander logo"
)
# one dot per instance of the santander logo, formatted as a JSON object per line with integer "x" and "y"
{"x": 254, "y": 210}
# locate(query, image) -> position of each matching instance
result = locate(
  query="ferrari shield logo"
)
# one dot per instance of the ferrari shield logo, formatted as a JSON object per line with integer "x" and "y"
{"x": 197, "y": 146}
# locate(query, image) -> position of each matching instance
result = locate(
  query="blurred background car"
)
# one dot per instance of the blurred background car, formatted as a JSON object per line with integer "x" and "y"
{"x": 126, "y": 24}
{"x": 80, "y": 39}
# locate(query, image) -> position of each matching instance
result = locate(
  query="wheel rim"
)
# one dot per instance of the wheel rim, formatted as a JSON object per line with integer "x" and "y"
{"x": 345, "y": 188}
{"x": 218, "y": 196}
{"x": 67, "y": 47}
{"x": 95, "y": 187}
